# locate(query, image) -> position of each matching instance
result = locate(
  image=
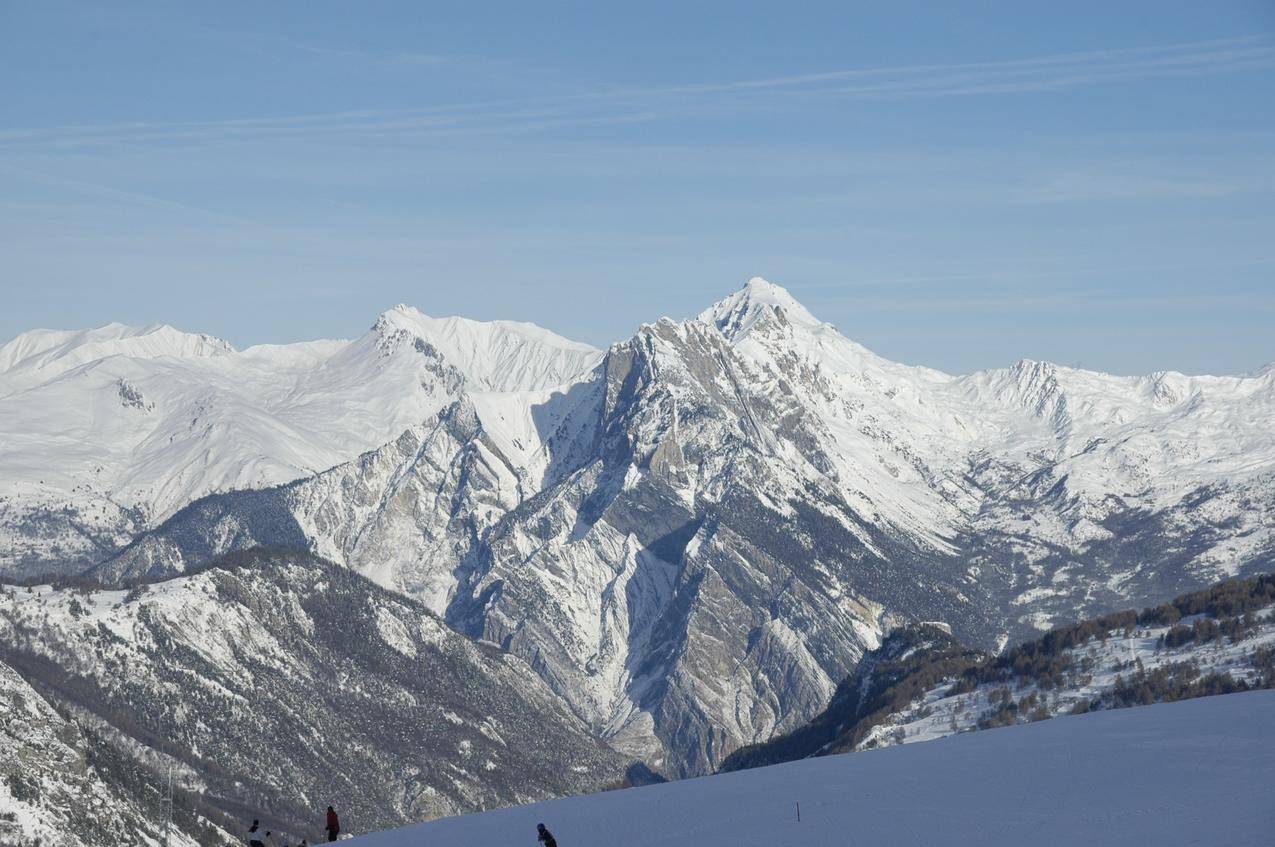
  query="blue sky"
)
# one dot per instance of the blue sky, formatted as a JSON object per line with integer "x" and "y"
{"x": 959, "y": 185}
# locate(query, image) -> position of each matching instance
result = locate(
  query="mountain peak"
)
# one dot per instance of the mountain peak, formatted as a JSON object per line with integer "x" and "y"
{"x": 42, "y": 354}
{"x": 758, "y": 300}
{"x": 455, "y": 327}
{"x": 761, "y": 287}
{"x": 495, "y": 355}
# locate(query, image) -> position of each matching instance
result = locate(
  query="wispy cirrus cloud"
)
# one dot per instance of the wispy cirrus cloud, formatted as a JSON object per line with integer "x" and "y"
{"x": 1048, "y": 71}
{"x": 604, "y": 106}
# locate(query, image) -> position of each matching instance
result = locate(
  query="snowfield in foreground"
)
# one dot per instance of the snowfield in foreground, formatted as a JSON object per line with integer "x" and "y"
{"x": 1193, "y": 772}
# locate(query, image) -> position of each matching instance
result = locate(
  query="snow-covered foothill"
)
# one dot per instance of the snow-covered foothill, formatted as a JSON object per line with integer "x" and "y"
{"x": 56, "y": 786}
{"x": 1101, "y": 666}
{"x": 272, "y": 679}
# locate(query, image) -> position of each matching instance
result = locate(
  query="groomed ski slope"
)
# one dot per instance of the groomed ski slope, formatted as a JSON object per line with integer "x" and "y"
{"x": 1193, "y": 772}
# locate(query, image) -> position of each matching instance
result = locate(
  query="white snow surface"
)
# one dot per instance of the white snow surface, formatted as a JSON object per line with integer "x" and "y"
{"x": 1192, "y": 772}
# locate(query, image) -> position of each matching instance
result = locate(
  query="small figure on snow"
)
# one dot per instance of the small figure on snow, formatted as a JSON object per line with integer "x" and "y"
{"x": 545, "y": 836}
{"x": 254, "y": 835}
{"x": 334, "y": 824}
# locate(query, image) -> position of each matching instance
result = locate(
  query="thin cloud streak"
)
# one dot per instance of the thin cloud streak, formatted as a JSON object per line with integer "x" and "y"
{"x": 1179, "y": 53}
{"x": 115, "y": 194}
{"x": 1042, "y": 73}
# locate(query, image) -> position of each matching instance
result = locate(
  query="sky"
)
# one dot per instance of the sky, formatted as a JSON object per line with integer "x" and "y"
{"x": 960, "y": 185}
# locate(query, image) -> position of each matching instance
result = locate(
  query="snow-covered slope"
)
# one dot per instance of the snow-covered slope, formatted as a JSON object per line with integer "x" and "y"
{"x": 1195, "y": 772}
{"x": 106, "y": 432}
{"x": 278, "y": 682}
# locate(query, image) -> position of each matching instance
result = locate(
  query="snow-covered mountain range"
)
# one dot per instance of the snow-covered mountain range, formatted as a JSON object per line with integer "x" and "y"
{"x": 690, "y": 537}
{"x": 106, "y": 433}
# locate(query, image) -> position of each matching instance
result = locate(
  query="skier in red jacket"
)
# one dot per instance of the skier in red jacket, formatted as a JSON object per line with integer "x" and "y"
{"x": 334, "y": 824}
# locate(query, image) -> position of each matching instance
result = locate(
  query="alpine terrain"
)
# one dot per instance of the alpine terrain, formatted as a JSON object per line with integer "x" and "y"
{"x": 683, "y": 543}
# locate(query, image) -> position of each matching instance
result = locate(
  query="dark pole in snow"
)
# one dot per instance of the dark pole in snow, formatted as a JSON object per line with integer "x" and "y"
{"x": 798, "y": 811}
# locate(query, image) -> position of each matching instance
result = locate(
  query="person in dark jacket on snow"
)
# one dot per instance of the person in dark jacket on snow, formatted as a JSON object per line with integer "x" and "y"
{"x": 545, "y": 836}
{"x": 255, "y": 838}
{"x": 334, "y": 824}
